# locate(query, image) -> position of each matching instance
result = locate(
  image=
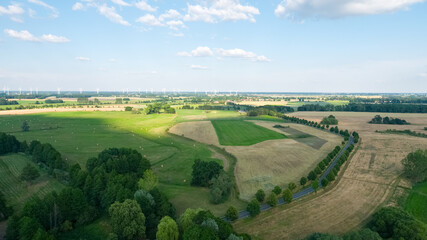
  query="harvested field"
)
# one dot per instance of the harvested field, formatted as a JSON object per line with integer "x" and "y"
{"x": 278, "y": 162}
{"x": 371, "y": 176}
{"x": 201, "y": 131}
{"x": 309, "y": 140}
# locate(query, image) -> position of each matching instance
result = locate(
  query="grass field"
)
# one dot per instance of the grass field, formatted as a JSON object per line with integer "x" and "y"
{"x": 17, "y": 191}
{"x": 416, "y": 204}
{"x": 242, "y": 133}
{"x": 81, "y": 135}
{"x": 366, "y": 184}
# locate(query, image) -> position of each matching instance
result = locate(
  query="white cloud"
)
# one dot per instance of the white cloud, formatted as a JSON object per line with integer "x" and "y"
{"x": 112, "y": 60}
{"x": 301, "y": 9}
{"x": 78, "y": 6}
{"x": 23, "y": 35}
{"x": 170, "y": 14}
{"x": 198, "y": 52}
{"x": 54, "y": 39}
{"x": 145, "y": 6}
{"x": 175, "y": 24}
{"x": 423, "y": 75}
{"x": 240, "y": 53}
{"x": 221, "y": 10}
{"x": 198, "y": 67}
{"x": 177, "y": 34}
{"x": 55, "y": 12}
{"x": 27, "y": 36}
{"x": 14, "y": 9}
{"x": 150, "y": 20}
{"x": 112, "y": 15}
{"x": 83, "y": 59}
{"x": 121, "y": 3}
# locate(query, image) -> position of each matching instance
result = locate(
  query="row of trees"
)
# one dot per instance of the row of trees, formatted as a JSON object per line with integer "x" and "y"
{"x": 4, "y": 101}
{"x": 276, "y": 111}
{"x": 388, "y": 120}
{"x": 157, "y": 108}
{"x": 360, "y": 107}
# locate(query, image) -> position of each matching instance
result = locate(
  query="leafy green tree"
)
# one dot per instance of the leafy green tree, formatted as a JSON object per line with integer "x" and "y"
{"x": 185, "y": 221}
{"x": 415, "y": 166}
{"x": 277, "y": 190}
{"x": 27, "y": 228}
{"x": 149, "y": 181}
{"x": 203, "y": 172}
{"x": 363, "y": 234}
{"x": 71, "y": 203}
{"x": 292, "y": 186}
{"x": 324, "y": 182}
{"x": 25, "y": 127}
{"x": 234, "y": 237}
{"x": 220, "y": 187}
{"x": 127, "y": 220}
{"x": 272, "y": 200}
{"x": 260, "y": 195}
{"x": 394, "y": 223}
{"x": 253, "y": 208}
{"x": 287, "y": 195}
{"x": 232, "y": 214}
{"x": 303, "y": 181}
{"x": 128, "y": 109}
{"x": 311, "y": 176}
{"x": 322, "y": 236}
{"x": 12, "y": 231}
{"x": 200, "y": 232}
{"x": 119, "y": 101}
{"x": 5, "y": 211}
{"x": 315, "y": 185}
{"x": 29, "y": 173}
{"x": 167, "y": 229}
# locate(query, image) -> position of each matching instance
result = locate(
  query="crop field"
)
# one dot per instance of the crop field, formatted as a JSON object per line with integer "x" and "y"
{"x": 416, "y": 204}
{"x": 370, "y": 178}
{"x": 268, "y": 163}
{"x": 81, "y": 135}
{"x": 242, "y": 133}
{"x": 18, "y": 191}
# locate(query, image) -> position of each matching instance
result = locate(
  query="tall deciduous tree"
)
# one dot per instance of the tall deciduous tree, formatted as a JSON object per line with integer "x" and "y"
{"x": 287, "y": 195}
{"x": 127, "y": 220}
{"x": 253, "y": 208}
{"x": 415, "y": 166}
{"x": 167, "y": 229}
{"x": 149, "y": 181}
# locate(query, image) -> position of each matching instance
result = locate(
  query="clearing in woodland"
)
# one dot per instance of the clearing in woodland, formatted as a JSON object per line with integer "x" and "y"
{"x": 365, "y": 185}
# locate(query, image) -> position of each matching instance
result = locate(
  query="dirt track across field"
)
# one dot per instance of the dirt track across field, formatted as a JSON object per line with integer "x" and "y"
{"x": 371, "y": 176}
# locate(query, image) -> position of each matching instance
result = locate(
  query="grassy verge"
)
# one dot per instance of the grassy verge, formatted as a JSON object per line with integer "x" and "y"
{"x": 416, "y": 203}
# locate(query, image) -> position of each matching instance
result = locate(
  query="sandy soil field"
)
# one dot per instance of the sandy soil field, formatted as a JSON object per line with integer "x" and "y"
{"x": 371, "y": 177}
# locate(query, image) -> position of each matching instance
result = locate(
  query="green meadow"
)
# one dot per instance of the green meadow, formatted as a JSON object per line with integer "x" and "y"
{"x": 81, "y": 135}
{"x": 416, "y": 203}
{"x": 242, "y": 133}
{"x": 17, "y": 191}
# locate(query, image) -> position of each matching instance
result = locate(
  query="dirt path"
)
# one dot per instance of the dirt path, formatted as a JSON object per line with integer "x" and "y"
{"x": 364, "y": 186}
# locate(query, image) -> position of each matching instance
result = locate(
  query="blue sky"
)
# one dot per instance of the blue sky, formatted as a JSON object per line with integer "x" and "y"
{"x": 287, "y": 46}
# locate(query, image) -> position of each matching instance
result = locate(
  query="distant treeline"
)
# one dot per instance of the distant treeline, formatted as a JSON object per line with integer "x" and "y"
{"x": 53, "y": 101}
{"x": 271, "y": 110}
{"x": 405, "y": 132}
{"x": 388, "y": 120}
{"x": 361, "y": 107}
{"x": 4, "y": 101}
